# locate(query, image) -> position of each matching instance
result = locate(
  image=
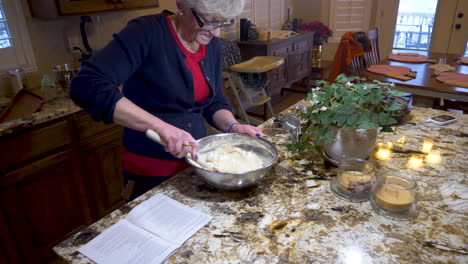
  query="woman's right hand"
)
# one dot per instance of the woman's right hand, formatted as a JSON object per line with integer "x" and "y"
{"x": 177, "y": 141}
{"x": 130, "y": 115}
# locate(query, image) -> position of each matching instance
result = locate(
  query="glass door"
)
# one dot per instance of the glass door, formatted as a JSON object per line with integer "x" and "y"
{"x": 438, "y": 26}
{"x": 415, "y": 20}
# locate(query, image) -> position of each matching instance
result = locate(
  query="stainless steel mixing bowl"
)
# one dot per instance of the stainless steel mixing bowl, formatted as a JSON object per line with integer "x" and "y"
{"x": 235, "y": 181}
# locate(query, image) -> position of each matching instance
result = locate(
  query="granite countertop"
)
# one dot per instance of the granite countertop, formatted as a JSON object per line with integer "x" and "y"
{"x": 293, "y": 217}
{"x": 56, "y": 108}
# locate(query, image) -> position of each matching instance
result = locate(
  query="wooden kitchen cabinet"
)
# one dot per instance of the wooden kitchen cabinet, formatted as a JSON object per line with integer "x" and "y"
{"x": 55, "y": 8}
{"x": 57, "y": 178}
{"x": 45, "y": 202}
{"x": 9, "y": 252}
{"x": 126, "y": 4}
{"x": 72, "y": 7}
{"x": 101, "y": 154}
{"x": 297, "y": 52}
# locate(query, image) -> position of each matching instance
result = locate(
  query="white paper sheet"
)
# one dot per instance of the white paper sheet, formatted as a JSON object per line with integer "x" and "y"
{"x": 150, "y": 233}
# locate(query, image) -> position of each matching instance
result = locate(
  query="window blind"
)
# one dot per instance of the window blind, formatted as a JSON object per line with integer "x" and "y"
{"x": 349, "y": 15}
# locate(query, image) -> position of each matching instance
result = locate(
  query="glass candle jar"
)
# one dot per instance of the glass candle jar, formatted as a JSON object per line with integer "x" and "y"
{"x": 394, "y": 195}
{"x": 354, "y": 180}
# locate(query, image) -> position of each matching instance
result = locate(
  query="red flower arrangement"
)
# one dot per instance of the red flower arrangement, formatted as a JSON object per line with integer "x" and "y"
{"x": 322, "y": 32}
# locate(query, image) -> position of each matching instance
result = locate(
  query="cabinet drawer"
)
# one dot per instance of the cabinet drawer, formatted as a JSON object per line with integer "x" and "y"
{"x": 281, "y": 50}
{"x": 87, "y": 127}
{"x": 35, "y": 143}
{"x": 277, "y": 79}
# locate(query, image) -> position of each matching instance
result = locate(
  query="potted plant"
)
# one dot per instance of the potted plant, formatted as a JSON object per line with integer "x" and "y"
{"x": 321, "y": 35}
{"x": 343, "y": 117}
{"x": 321, "y": 31}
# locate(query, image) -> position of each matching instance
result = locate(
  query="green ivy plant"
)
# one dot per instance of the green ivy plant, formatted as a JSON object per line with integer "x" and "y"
{"x": 348, "y": 103}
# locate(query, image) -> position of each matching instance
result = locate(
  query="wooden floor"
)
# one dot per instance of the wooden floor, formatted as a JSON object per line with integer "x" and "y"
{"x": 280, "y": 103}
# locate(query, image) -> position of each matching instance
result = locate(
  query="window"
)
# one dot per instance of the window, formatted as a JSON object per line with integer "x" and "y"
{"x": 414, "y": 24}
{"x": 263, "y": 13}
{"x": 349, "y": 15}
{"x": 15, "y": 45}
{"x": 4, "y": 32}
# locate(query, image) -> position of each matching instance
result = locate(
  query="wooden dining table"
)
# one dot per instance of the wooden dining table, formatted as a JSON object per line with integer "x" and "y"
{"x": 425, "y": 82}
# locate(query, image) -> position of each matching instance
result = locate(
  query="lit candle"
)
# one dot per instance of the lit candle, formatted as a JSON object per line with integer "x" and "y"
{"x": 355, "y": 181}
{"x": 415, "y": 162}
{"x": 394, "y": 197}
{"x": 433, "y": 157}
{"x": 426, "y": 146}
{"x": 383, "y": 153}
{"x": 402, "y": 140}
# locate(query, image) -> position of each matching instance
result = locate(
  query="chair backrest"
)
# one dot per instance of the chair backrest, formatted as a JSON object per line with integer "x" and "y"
{"x": 373, "y": 56}
{"x": 358, "y": 66}
{"x": 231, "y": 53}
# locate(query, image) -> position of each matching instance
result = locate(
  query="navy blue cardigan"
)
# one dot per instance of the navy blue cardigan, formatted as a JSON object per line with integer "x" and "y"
{"x": 145, "y": 57}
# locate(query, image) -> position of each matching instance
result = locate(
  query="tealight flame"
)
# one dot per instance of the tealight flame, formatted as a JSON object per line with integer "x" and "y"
{"x": 433, "y": 157}
{"x": 401, "y": 140}
{"x": 427, "y": 146}
{"x": 383, "y": 153}
{"x": 415, "y": 162}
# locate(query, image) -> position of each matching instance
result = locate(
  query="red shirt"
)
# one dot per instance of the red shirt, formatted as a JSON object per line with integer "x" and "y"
{"x": 146, "y": 166}
{"x": 192, "y": 60}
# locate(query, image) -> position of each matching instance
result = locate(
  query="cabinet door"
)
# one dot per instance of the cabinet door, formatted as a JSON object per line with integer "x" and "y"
{"x": 9, "y": 252}
{"x": 276, "y": 78}
{"x": 301, "y": 58}
{"x": 137, "y": 3}
{"x": 102, "y": 161}
{"x": 300, "y": 64}
{"x": 69, "y": 7}
{"x": 45, "y": 203}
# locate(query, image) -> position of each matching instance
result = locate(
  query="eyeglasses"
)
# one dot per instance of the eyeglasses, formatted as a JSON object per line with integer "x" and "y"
{"x": 203, "y": 25}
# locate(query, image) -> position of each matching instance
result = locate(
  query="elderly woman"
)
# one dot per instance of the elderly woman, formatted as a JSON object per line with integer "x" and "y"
{"x": 170, "y": 65}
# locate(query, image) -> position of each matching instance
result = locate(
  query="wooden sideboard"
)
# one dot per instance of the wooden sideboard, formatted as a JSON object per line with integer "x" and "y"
{"x": 297, "y": 52}
{"x": 55, "y": 179}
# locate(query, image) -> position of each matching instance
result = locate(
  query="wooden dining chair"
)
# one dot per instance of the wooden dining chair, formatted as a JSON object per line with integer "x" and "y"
{"x": 358, "y": 66}
{"x": 373, "y": 56}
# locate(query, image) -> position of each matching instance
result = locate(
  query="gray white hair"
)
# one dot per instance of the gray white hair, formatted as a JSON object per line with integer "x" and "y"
{"x": 219, "y": 9}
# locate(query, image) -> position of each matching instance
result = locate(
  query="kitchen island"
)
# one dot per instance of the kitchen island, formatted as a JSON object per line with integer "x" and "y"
{"x": 293, "y": 217}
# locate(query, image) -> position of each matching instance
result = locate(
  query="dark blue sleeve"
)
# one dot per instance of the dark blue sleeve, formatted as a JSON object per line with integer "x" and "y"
{"x": 219, "y": 101}
{"x": 95, "y": 86}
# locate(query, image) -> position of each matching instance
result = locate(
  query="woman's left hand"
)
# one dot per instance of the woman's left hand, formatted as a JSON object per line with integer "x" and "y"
{"x": 247, "y": 129}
